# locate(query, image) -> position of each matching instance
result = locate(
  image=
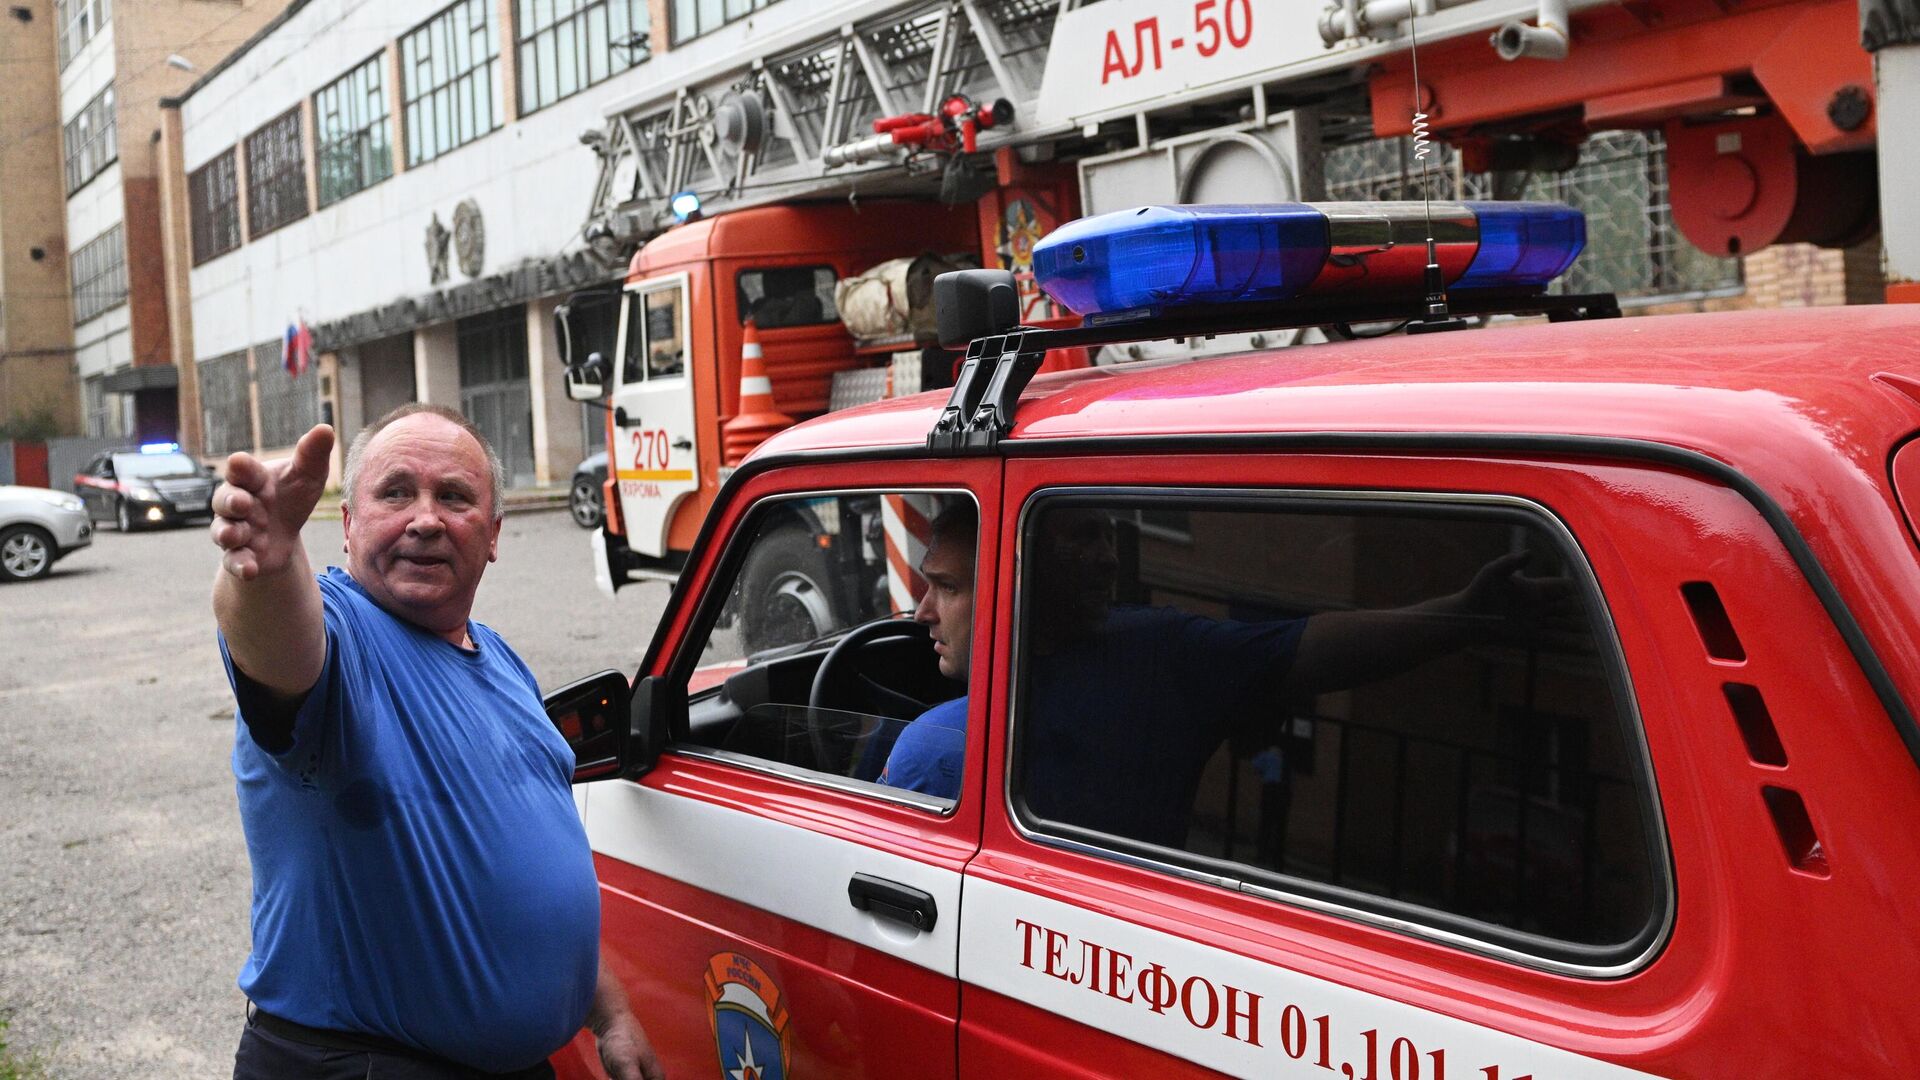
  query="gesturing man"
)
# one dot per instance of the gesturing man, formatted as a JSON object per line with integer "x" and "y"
{"x": 424, "y": 902}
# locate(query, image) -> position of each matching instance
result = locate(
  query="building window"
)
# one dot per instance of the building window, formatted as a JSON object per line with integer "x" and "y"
{"x": 276, "y": 174}
{"x": 569, "y": 45}
{"x": 76, "y": 22}
{"x": 447, "y": 67}
{"x": 226, "y": 411}
{"x": 350, "y": 131}
{"x": 91, "y": 142}
{"x": 102, "y": 417}
{"x": 213, "y": 193}
{"x": 288, "y": 405}
{"x": 99, "y": 275}
{"x": 691, "y": 18}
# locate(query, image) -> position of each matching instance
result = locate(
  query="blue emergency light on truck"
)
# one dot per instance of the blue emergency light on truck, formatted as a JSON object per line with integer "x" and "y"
{"x": 1173, "y": 256}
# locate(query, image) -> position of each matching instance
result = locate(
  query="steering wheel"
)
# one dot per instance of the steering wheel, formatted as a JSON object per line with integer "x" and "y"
{"x": 837, "y": 671}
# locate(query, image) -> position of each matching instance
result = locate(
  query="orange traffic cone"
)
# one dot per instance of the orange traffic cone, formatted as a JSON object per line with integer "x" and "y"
{"x": 756, "y": 420}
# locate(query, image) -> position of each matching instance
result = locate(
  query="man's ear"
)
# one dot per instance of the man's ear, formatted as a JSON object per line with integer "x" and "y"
{"x": 493, "y": 541}
{"x": 346, "y": 528}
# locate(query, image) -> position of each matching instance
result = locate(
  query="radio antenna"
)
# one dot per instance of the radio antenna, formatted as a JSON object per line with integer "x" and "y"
{"x": 1436, "y": 285}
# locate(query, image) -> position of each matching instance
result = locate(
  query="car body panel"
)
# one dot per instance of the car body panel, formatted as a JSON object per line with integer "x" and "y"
{"x": 65, "y": 522}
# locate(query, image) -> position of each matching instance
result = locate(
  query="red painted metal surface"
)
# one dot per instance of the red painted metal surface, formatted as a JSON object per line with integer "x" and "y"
{"x": 1773, "y": 965}
{"x": 1800, "y": 51}
{"x": 1756, "y": 944}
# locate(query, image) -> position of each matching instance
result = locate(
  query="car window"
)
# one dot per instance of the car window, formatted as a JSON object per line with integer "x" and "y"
{"x": 823, "y": 654}
{"x": 1411, "y": 709}
{"x": 786, "y": 296}
{"x": 151, "y": 466}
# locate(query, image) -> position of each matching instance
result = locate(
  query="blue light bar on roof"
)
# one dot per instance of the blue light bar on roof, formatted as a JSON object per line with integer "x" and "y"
{"x": 159, "y": 447}
{"x": 1171, "y": 256}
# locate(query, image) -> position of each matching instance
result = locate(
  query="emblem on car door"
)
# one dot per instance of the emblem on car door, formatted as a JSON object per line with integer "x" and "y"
{"x": 749, "y": 1021}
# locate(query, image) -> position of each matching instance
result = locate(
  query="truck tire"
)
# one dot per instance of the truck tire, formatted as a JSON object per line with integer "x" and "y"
{"x": 25, "y": 553}
{"x": 784, "y": 594}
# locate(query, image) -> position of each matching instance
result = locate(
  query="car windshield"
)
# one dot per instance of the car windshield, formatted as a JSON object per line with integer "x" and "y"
{"x": 151, "y": 466}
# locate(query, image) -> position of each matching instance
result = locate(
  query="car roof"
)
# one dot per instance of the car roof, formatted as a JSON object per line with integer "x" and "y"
{"x": 1729, "y": 385}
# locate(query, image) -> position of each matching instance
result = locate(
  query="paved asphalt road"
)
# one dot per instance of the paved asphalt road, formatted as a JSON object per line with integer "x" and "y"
{"x": 123, "y": 876}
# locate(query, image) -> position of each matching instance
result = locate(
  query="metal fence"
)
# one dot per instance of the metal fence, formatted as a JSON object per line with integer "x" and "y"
{"x": 1633, "y": 248}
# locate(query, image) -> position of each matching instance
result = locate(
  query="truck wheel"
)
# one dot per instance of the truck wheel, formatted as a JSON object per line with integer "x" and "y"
{"x": 583, "y": 502}
{"x": 783, "y": 592}
{"x": 25, "y": 553}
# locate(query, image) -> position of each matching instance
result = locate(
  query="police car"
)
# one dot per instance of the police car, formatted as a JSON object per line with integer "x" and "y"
{"x": 1618, "y": 778}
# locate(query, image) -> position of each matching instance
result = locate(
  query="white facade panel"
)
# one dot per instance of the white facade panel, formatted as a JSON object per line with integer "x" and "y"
{"x": 88, "y": 74}
{"x": 103, "y": 343}
{"x": 95, "y": 208}
{"x": 531, "y": 179}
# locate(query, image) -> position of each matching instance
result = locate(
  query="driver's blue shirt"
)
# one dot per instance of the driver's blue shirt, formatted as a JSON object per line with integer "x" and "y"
{"x": 930, "y": 752}
{"x": 1137, "y": 706}
{"x": 419, "y": 869}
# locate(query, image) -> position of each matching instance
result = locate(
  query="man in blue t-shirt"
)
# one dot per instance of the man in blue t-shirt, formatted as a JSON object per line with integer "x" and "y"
{"x": 424, "y": 897}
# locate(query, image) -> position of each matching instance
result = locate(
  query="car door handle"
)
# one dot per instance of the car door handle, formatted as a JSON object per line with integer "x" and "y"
{"x": 683, "y": 444}
{"x": 892, "y": 900}
{"x": 620, "y": 415}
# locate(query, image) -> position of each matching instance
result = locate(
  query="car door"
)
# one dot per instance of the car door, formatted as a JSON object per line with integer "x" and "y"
{"x": 655, "y": 452}
{"x": 95, "y": 486}
{"x": 1460, "y": 865}
{"x": 773, "y": 910}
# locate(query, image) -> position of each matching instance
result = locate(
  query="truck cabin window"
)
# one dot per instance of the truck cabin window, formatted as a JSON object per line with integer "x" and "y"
{"x": 1404, "y": 708}
{"x": 774, "y": 297}
{"x": 656, "y": 336}
{"x": 847, "y": 624}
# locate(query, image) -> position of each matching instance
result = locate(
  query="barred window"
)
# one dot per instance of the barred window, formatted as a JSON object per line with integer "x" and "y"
{"x": 691, "y": 18}
{"x": 447, "y": 68}
{"x": 91, "y": 142}
{"x": 102, "y": 416}
{"x": 288, "y": 405}
{"x": 569, "y": 45}
{"x": 213, "y": 195}
{"x": 350, "y": 131}
{"x": 276, "y": 174}
{"x": 225, "y": 411}
{"x": 99, "y": 271}
{"x": 76, "y": 22}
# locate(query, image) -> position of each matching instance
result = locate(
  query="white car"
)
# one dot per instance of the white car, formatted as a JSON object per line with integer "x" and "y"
{"x": 39, "y": 527}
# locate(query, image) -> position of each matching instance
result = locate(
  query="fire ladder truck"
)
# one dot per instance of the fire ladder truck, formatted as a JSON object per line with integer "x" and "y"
{"x": 779, "y": 155}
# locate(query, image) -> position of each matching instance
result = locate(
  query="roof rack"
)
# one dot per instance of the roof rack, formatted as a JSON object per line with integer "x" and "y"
{"x": 980, "y": 307}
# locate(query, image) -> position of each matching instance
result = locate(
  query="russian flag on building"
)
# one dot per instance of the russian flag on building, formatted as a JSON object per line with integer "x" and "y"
{"x": 296, "y": 349}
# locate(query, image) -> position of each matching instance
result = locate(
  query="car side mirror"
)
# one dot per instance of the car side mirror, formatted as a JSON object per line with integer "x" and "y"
{"x": 589, "y": 714}
{"x": 586, "y": 381}
{"x": 651, "y": 720}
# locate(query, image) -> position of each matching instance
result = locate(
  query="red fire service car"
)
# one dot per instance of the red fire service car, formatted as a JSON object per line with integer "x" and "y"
{"x": 1525, "y": 702}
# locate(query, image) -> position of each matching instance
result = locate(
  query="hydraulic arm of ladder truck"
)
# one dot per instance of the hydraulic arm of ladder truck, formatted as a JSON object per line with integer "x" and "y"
{"x": 776, "y": 174}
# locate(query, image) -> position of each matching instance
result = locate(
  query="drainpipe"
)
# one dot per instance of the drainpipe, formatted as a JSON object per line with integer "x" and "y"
{"x": 1546, "y": 41}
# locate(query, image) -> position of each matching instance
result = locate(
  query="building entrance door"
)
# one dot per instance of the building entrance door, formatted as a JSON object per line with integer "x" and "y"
{"x": 494, "y": 391}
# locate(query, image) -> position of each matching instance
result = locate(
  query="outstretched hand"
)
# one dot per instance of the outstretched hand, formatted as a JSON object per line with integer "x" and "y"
{"x": 1499, "y": 590}
{"x": 260, "y": 509}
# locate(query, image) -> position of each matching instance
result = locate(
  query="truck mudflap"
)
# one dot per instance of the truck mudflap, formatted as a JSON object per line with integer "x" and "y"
{"x": 602, "y": 564}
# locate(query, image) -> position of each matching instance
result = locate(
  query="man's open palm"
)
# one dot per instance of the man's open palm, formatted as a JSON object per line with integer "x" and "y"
{"x": 260, "y": 509}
